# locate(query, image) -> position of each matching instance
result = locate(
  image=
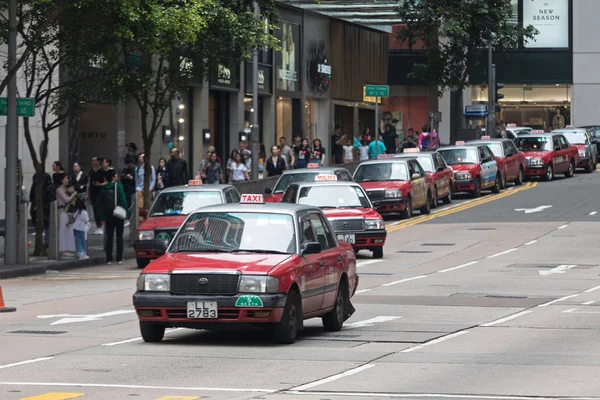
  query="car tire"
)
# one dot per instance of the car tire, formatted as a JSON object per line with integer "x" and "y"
{"x": 378, "y": 252}
{"x": 435, "y": 202}
{"x": 497, "y": 185}
{"x": 549, "y": 173}
{"x": 408, "y": 213}
{"x": 448, "y": 199}
{"x": 519, "y": 180}
{"x": 286, "y": 330}
{"x": 504, "y": 182}
{"x": 477, "y": 192}
{"x": 333, "y": 321}
{"x": 591, "y": 168}
{"x": 571, "y": 170}
{"x": 151, "y": 332}
{"x": 142, "y": 262}
{"x": 426, "y": 209}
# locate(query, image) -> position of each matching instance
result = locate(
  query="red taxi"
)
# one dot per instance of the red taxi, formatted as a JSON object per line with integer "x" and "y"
{"x": 511, "y": 162}
{"x": 548, "y": 154}
{"x": 348, "y": 209}
{"x": 433, "y": 164}
{"x": 396, "y": 186}
{"x": 582, "y": 139}
{"x": 170, "y": 209}
{"x": 242, "y": 265}
{"x": 474, "y": 166}
{"x": 307, "y": 174}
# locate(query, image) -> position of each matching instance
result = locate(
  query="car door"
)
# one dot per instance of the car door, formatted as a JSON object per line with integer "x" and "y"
{"x": 419, "y": 185}
{"x": 289, "y": 196}
{"x": 510, "y": 160}
{"x": 448, "y": 174}
{"x": 330, "y": 261}
{"x": 489, "y": 167}
{"x": 567, "y": 151}
{"x": 311, "y": 279}
{"x": 559, "y": 156}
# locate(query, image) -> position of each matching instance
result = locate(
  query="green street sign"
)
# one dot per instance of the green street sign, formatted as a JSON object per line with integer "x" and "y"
{"x": 25, "y": 107}
{"x": 377, "y": 91}
{"x": 249, "y": 301}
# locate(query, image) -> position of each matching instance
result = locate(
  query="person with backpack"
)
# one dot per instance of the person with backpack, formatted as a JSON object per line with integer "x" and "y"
{"x": 81, "y": 226}
{"x": 114, "y": 206}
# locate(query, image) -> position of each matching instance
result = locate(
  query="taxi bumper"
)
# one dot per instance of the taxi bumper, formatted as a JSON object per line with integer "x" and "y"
{"x": 464, "y": 185}
{"x": 390, "y": 206}
{"x": 584, "y": 162}
{"x": 538, "y": 170}
{"x": 366, "y": 239}
{"x": 145, "y": 249}
{"x": 171, "y": 310}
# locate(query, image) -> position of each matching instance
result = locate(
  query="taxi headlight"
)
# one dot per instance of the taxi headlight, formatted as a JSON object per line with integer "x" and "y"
{"x": 146, "y": 235}
{"x": 391, "y": 194}
{"x": 582, "y": 153}
{"x": 374, "y": 224}
{"x": 258, "y": 284}
{"x": 536, "y": 161}
{"x": 462, "y": 175}
{"x": 154, "y": 283}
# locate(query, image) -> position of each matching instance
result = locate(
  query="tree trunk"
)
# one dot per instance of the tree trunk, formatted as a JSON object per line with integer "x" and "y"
{"x": 147, "y": 171}
{"x": 457, "y": 119}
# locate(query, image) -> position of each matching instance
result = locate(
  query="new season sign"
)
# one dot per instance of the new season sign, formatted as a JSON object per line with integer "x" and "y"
{"x": 551, "y": 19}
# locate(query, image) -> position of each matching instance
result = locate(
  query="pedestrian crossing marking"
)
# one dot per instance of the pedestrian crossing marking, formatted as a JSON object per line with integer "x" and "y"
{"x": 55, "y": 396}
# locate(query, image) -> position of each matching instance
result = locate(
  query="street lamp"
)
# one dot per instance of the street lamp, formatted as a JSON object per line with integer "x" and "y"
{"x": 181, "y": 106}
{"x": 181, "y": 120}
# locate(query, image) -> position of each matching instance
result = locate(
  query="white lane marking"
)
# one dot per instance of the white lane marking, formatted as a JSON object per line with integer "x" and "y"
{"x": 459, "y": 267}
{"x": 70, "y": 319}
{"x": 367, "y": 262}
{"x": 592, "y": 289}
{"x": 405, "y": 280}
{"x": 533, "y": 210}
{"x": 594, "y": 213}
{"x": 136, "y": 339}
{"x": 370, "y": 322}
{"x": 143, "y": 387}
{"x": 561, "y": 269}
{"x": 558, "y": 300}
{"x": 435, "y": 341}
{"x": 569, "y": 311}
{"x": 362, "y": 291}
{"x": 530, "y": 243}
{"x": 574, "y": 311}
{"x": 25, "y": 362}
{"x": 502, "y": 253}
{"x": 334, "y": 377}
{"x": 562, "y": 226}
{"x": 428, "y": 396}
{"x": 505, "y": 319}
{"x": 587, "y": 303}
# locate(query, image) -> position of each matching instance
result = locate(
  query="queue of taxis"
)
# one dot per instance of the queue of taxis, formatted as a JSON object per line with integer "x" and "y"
{"x": 548, "y": 154}
{"x": 475, "y": 168}
{"x": 169, "y": 211}
{"x": 307, "y": 174}
{"x": 396, "y": 185}
{"x": 348, "y": 209}
{"x": 511, "y": 161}
{"x": 435, "y": 166}
{"x": 582, "y": 139}
{"x": 248, "y": 264}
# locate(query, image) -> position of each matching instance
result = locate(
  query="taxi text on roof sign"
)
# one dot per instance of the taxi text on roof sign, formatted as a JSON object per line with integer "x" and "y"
{"x": 485, "y": 138}
{"x": 252, "y": 199}
{"x": 196, "y": 182}
{"x": 412, "y": 150}
{"x": 385, "y": 156}
{"x": 312, "y": 165}
{"x": 537, "y": 131}
{"x": 325, "y": 178}
{"x": 460, "y": 143}
{"x": 511, "y": 125}
{"x": 570, "y": 127}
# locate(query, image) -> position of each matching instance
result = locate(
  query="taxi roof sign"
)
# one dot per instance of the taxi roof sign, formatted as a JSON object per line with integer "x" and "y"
{"x": 312, "y": 165}
{"x": 538, "y": 131}
{"x": 325, "y": 178}
{"x": 511, "y": 125}
{"x": 252, "y": 199}
{"x": 460, "y": 143}
{"x": 570, "y": 127}
{"x": 385, "y": 156}
{"x": 412, "y": 150}
{"x": 195, "y": 182}
{"x": 485, "y": 138}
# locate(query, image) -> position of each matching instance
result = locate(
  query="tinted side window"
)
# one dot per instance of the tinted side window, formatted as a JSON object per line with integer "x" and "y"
{"x": 513, "y": 148}
{"x": 323, "y": 235}
{"x": 436, "y": 162}
{"x": 289, "y": 195}
{"x": 418, "y": 169}
{"x": 564, "y": 142}
{"x": 235, "y": 195}
{"x": 441, "y": 160}
{"x": 555, "y": 143}
{"x": 229, "y": 197}
{"x": 308, "y": 235}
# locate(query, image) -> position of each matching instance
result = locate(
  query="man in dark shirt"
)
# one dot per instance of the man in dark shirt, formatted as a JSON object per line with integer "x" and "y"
{"x": 275, "y": 164}
{"x": 128, "y": 181}
{"x": 131, "y": 153}
{"x": 177, "y": 170}
{"x": 97, "y": 178}
{"x": 390, "y": 137}
{"x": 336, "y": 144}
{"x": 79, "y": 180}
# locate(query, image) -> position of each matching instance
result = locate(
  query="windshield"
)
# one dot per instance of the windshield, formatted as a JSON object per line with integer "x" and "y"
{"x": 236, "y": 231}
{"x": 496, "y": 149}
{"x": 327, "y": 196}
{"x": 467, "y": 155}
{"x": 576, "y": 137}
{"x": 287, "y": 179}
{"x": 533, "y": 144}
{"x": 426, "y": 163}
{"x": 183, "y": 203}
{"x": 393, "y": 171}
{"x": 520, "y": 132}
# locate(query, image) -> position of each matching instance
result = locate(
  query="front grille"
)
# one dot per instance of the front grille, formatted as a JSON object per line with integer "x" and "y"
{"x": 348, "y": 225}
{"x": 378, "y": 194}
{"x": 226, "y": 284}
{"x": 182, "y": 314}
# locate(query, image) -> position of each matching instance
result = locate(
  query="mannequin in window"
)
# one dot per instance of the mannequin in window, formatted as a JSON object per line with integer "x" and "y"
{"x": 558, "y": 121}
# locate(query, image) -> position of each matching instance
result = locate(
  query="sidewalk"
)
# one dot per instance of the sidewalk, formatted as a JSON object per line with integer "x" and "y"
{"x": 40, "y": 265}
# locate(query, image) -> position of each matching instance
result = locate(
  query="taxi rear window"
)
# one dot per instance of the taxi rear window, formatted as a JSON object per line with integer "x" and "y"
{"x": 392, "y": 171}
{"x": 183, "y": 203}
{"x": 533, "y": 143}
{"x": 287, "y": 179}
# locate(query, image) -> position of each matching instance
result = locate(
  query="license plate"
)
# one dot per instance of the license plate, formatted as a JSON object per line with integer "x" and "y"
{"x": 202, "y": 309}
{"x": 348, "y": 238}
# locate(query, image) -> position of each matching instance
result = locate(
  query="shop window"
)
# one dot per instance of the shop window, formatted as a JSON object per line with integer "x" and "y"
{"x": 284, "y": 118}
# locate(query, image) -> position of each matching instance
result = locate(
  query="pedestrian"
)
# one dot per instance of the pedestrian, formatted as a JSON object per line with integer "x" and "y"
{"x": 81, "y": 226}
{"x": 202, "y": 166}
{"x": 139, "y": 180}
{"x": 262, "y": 156}
{"x": 57, "y": 170}
{"x": 336, "y": 144}
{"x": 131, "y": 153}
{"x": 48, "y": 196}
{"x": 246, "y": 158}
{"x": 390, "y": 137}
{"x": 79, "y": 180}
{"x": 128, "y": 182}
{"x": 410, "y": 141}
{"x": 317, "y": 155}
{"x": 303, "y": 154}
{"x": 230, "y": 163}
{"x": 276, "y": 163}
{"x": 177, "y": 170}
{"x": 348, "y": 152}
{"x": 107, "y": 164}
{"x": 286, "y": 152}
{"x": 113, "y": 196}
{"x": 363, "y": 150}
{"x": 161, "y": 172}
{"x": 366, "y": 136}
{"x": 96, "y": 178}
{"x": 64, "y": 196}
{"x": 380, "y": 148}
{"x": 213, "y": 171}
{"x": 239, "y": 171}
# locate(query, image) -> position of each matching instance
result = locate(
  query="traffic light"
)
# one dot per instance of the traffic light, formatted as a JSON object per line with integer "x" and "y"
{"x": 499, "y": 96}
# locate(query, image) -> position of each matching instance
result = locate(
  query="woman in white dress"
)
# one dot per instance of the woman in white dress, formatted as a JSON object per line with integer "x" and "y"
{"x": 64, "y": 195}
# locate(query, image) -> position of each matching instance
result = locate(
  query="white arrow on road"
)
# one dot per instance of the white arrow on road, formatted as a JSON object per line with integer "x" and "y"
{"x": 533, "y": 210}
{"x": 70, "y": 318}
{"x": 561, "y": 269}
{"x": 370, "y": 322}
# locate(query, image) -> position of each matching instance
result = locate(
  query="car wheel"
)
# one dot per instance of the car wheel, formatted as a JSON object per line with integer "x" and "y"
{"x": 333, "y": 321}
{"x": 152, "y": 332}
{"x": 448, "y": 199}
{"x": 378, "y": 252}
{"x": 477, "y": 192}
{"x": 519, "y": 180}
{"x": 426, "y": 209}
{"x": 142, "y": 262}
{"x": 549, "y": 173}
{"x": 497, "y": 185}
{"x": 571, "y": 171}
{"x": 286, "y": 330}
{"x": 436, "y": 199}
{"x": 408, "y": 213}
{"x": 504, "y": 182}
{"x": 591, "y": 168}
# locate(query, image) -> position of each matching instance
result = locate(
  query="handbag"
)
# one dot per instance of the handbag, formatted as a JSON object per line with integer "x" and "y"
{"x": 119, "y": 211}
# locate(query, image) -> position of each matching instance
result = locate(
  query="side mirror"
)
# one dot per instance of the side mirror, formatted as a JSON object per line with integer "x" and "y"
{"x": 143, "y": 213}
{"x": 161, "y": 245}
{"x": 268, "y": 191}
{"x": 311, "y": 248}
{"x": 415, "y": 176}
{"x": 440, "y": 169}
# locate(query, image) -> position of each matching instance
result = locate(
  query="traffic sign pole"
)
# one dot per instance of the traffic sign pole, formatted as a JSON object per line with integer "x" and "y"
{"x": 377, "y": 91}
{"x": 12, "y": 144}
{"x": 376, "y": 127}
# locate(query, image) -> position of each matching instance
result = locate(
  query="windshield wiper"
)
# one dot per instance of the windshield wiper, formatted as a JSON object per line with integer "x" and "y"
{"x": 201, "y": 251}
{"x": 258, "y": 251}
